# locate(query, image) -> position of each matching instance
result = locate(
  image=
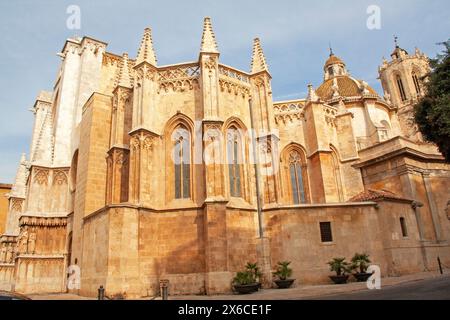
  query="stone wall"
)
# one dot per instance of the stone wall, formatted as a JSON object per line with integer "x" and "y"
{"x": 6, "y": 277}
{"x": 294, "y": 234}
{"x": 4, "y": 189}
{"x": 40, "y": 274}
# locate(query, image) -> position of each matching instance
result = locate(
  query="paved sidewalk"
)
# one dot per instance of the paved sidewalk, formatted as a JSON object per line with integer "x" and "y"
{"x": 316, "y": 291}
{"x": 296, "y": 293}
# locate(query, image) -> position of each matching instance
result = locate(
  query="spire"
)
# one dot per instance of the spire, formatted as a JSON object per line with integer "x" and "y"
{"x": 146, "y": 52}
{"x": 258, "y": 59}
{"x": 396, "y": 41}
{"x": 209, "y": 43}
{"x": 19, "y": 186}
{"x": 124, "y": 73}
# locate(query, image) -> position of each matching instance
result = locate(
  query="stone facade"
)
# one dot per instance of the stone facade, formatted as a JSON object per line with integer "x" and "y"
{"x": 139, "y": 172}
{"x": 4, "y": 190}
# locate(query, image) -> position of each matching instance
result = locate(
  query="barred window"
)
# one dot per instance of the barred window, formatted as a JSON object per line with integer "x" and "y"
{"x": 325, "y": 232}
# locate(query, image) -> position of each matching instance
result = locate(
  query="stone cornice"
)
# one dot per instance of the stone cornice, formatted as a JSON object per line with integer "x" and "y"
{"x": 60, "y": 221}
{"x": 105, "y": 209}
{"x": 321, "y": 205}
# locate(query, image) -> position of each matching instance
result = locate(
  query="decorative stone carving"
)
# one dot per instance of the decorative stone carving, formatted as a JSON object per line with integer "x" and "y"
{"x": 179, "y": 78}
{"x": 237, "y": 89}
{"x": 289, "y": 112}
{"x": 233, "y": 74}
{"x": 3, "y": 251}
{"x": 60, "y": 177}
{"x": 143, "y": 140}
{"x": 210, "y": 64}
{"x": 22, "y": 242}
{"x": 41, "y": 176}
{"x": 145, "y": 72}
{"x": 212, "y": 132}
{"x": 32, "y": 242}
{"x": 9, "y": 254}
{"x": 42, "y": 221}
{"x": 111, "y": 59}
{"x": 16, "y": 205}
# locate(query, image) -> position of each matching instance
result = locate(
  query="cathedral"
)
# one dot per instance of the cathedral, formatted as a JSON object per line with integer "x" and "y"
{"x": 139, "y": 173}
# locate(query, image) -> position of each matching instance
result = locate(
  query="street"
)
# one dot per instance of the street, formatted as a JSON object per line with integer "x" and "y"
{"x": 429, "y": 289}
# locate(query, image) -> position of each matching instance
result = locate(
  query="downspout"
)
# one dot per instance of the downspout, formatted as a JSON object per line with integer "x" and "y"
{"x": 255, "y": 167}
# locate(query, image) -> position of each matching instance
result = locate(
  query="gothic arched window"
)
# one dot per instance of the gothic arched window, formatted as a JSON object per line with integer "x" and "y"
{"x": 182, "y": 162}
{"x": 401, "y": 88}
{"x": 296, "y": 178}
{"x": 416, "y": 82}
{"x": 234, "y": 157}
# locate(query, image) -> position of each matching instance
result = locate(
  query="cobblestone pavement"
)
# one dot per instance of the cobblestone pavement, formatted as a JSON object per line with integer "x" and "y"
{"x": 297, "y": 293}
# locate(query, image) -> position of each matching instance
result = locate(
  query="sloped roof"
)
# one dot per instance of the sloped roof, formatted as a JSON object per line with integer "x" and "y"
{"x": 374, "y": 195}
{"x": 333, "y": 60}
{"x": 348, "y": 87}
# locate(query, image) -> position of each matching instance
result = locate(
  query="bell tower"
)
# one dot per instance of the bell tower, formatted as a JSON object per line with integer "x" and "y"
{"x": 403, "y": 80}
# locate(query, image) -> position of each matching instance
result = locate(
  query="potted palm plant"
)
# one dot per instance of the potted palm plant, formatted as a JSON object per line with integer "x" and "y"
{"x": 360, "y": 262}
{"x": 283, "y": 273}
{"x": 254, "y": 269}
{"x": 341, "y": 267}
{"x": 244, "y": 282}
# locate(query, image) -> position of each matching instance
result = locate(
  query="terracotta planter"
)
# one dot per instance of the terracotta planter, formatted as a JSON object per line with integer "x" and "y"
{"x": 362, "y": 277}
{"x": 339, "y": 279}
{"x": 246, "y": 288}
{"x": 284, "y": 284}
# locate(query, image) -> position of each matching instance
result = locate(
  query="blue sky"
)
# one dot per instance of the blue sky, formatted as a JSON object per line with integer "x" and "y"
{"x": 295, "y": 35}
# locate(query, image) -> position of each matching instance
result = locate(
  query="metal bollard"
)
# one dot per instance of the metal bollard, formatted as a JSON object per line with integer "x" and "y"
{"x": 440, "y": 265}
{"x": 101, "y": 293}
{"x": 164, "y": 287}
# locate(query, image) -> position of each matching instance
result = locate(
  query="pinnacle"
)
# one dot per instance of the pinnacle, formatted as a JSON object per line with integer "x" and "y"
{"x": 258, "y": 58}
{"x": 146, "y": 52}
{"x": 209, "y": 43}
{"x": 124, "y": 73}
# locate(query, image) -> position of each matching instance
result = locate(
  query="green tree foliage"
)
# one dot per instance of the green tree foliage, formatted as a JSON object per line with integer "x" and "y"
{"x": 432, "y": 113}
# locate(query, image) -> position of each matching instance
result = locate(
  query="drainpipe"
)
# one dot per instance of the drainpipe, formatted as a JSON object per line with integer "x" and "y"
{"x": 416, "y": 205}
{"x": 255, "y": 167}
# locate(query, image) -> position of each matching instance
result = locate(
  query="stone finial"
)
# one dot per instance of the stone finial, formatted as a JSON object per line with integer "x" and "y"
{"x": 312, "y": 95}
{"x": 363, "y": 86}
{"x": 335, "y": 88}
{"x": 209, "y": 43}
{"x": 258, "y": 59}
{"x": 342, "y": 109}
{"x": 124, "y": 73}
{"x": 146, "y": 52}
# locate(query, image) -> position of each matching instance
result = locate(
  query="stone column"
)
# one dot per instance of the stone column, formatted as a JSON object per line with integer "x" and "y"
{"x": 213, "y": 158}
{"x": 217, "y": 276}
